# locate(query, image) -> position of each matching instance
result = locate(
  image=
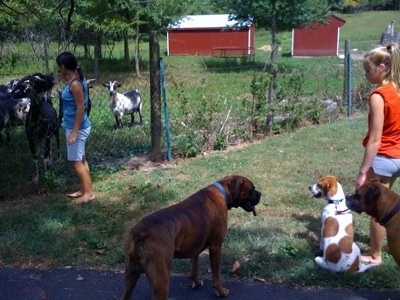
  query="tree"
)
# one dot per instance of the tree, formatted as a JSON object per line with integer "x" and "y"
{"x": 86, "y": 22}
{"x": 275, "y": 16}
{"x": 33, "y": 21}
{"x": 126, "y": 17}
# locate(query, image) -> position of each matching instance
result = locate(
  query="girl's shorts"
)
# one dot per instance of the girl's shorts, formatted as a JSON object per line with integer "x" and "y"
{"x": 386, "y": 166}
{"x": 76, "y": 151}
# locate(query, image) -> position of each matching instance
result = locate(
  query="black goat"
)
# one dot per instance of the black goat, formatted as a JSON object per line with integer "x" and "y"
{"x": 4, "y": 90}
{"x": 4, "y": 122}
{"x": 16, "y": 105}
{"x": 17, "y": 109}
{"x": 13, "y": 113}
{"x": 19, "y": 93}
{"x": 41, "y": 121}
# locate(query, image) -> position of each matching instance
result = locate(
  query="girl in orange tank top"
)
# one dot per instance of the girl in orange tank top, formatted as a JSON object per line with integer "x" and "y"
{"x": 382, "y": 142}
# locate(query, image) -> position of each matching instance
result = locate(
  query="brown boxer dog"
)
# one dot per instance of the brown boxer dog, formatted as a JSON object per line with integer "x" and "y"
{"x": 184, "y": 230}
{"x": 383, "y": 204}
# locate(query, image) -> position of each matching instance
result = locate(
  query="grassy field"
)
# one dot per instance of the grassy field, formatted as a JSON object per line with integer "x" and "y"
{"x": 277, "y": 246}
{"x": 40, "y": 227}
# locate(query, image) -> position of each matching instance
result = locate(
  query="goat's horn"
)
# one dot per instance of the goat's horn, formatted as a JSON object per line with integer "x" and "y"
{"x": 90, "y": 80}
{"x": 39, "y": 77}
{"x": 27, "y": 77}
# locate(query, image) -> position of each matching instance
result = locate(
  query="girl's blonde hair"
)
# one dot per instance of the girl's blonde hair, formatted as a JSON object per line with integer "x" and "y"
{"x": 389, "y": 56}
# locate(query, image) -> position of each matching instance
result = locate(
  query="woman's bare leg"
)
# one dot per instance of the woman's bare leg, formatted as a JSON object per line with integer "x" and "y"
{"x": 85, "y": 192}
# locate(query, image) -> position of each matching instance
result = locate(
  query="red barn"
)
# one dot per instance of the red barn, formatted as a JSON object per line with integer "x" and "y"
{"x": 318, "y": 39}
{"x": 210, "y": 35}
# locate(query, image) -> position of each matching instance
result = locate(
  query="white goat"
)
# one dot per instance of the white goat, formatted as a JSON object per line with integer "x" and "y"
{"x": 124, "y": 104}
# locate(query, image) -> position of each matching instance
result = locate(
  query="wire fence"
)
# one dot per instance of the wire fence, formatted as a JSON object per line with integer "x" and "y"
{"x": 200, "y": 118}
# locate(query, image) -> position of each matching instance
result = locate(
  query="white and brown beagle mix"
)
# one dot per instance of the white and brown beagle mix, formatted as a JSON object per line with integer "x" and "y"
{"x": 340, "y": 253}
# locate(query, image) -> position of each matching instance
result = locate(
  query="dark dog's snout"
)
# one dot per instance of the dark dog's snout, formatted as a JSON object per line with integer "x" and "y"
{"x": 249, "y": 204}
{"x": 255, "y": 202}
{"x": 352, "y": 203}
{"x": 258, "y": 197}
{"x": 349, "y": 197}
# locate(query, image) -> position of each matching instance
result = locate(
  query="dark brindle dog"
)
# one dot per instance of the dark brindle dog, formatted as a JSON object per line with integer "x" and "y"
{"x": 184, "y": 230}
{"x": 383, "y": 204}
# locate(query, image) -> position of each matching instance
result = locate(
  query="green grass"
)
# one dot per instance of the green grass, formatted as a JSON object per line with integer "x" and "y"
{"x": 40, "y": 227}
{"x": 278, "y": 245}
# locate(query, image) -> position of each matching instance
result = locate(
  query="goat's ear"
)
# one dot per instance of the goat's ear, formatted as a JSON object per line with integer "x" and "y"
{"x": 118, "y": 84}
{"x": 106, "y": 85}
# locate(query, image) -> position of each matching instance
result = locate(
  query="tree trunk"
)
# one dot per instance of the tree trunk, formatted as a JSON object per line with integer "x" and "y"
{"x": 46, "y": 43}
{"x": 273, "y": 70}
{"x": 126, "y": 47}
{"x": 155, "y": 96}
{"x": 86, "y": 50}
{"x": 97, "y": 53}
{"x": 137, "y": 51}
{"x": 274, "y": 55}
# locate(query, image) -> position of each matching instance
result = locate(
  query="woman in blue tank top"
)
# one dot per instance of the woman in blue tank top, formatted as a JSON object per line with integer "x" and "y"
{"x": 75, "y": 98}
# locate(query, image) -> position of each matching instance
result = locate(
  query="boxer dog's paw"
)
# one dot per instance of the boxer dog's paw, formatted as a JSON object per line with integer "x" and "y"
{"x": 221, "y": 292}
{"x": 197, "y": 284}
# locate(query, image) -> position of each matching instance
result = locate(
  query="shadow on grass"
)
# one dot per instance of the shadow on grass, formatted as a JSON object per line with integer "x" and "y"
{"x": 264, "y": 253}
{"x": 52, "y": 231}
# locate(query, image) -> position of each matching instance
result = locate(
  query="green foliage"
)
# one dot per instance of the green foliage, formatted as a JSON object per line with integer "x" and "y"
{"x": 290, "y": 86}
{"x": 290, "y": 109}
{"x": 277, "y": 15}
{"x": 187, "y": 145}
{"x": 289, "y": 250}
{"x": 51, "y": 180}
{"x": 220, "y": 142}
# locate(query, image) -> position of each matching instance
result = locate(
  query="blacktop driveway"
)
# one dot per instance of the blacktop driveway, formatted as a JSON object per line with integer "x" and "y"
{"x": 76, "y": 284}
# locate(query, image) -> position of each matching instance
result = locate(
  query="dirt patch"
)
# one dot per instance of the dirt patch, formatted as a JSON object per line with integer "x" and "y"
{"x": 267, "y": 48}
{"x": 144, "y": 163}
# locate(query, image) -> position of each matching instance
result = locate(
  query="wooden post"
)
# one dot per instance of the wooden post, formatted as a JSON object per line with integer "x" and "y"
{"x": 347, "y": 77}
{"x": 155, "y": 97}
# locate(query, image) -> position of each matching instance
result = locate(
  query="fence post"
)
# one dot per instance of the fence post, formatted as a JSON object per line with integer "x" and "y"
{"x": 155, "y": 97}
{"x": 166, "y": 118}
{"x": 347, "y": 77}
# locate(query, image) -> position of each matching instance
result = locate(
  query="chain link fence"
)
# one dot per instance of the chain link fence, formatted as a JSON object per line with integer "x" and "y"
{"x": 202, "y": 118}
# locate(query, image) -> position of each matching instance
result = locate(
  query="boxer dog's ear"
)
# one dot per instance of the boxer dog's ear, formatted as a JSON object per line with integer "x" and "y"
{"x": 372, "y": 192}
{"x": 236, "y": 188}
{"x": 376, "y": 179}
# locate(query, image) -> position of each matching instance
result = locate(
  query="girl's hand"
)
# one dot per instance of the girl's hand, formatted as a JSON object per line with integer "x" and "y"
{"x": 360, "y": 180}
{"x": 72, "y": 138}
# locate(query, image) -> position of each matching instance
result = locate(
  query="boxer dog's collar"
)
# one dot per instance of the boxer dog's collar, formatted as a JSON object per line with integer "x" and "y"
{"x": 394, "y": 211}
{"x": 223, "y": 192}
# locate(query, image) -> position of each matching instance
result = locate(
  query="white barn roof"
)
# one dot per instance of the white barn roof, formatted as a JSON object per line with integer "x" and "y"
{"x": 204, "y": 21}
